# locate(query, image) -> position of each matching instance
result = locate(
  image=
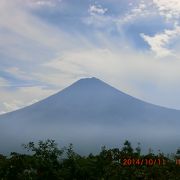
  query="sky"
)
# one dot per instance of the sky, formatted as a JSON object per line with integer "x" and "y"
{"x": 46, "y": 45}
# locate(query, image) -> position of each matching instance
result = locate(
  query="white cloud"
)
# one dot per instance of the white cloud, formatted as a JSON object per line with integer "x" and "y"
{"x": 142, "y": 10}
{"x": 159, "y": 42}
{"x": 97, "y": 9}
{"x": 42, "y": 3}
{"x": 100, "y": 19}
{"x": 27, "y": 28}
{"x": 125, "y": 69}
{"x": 18, "y": 73}
{"x": 21, "y": 97}
{"x": 69, "y": 67}
{"x": 97, "y": 16}
{"x": 168, "y": 8}
{"x": 140, "y": 75}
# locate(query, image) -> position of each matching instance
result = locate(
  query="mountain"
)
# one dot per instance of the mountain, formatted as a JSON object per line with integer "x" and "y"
{"x": 91, "y": 113}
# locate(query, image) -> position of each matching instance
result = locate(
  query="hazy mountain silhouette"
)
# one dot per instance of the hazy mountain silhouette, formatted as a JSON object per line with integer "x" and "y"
{"x": 90, "y": 113}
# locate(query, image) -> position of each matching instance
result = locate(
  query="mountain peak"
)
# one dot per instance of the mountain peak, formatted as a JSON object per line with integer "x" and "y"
{"x": 90, "y": 82}
{"x": 89, "y": 79}
{"x": 87, "y": 113}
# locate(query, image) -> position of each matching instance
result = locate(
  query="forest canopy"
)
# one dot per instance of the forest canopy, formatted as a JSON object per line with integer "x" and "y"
{"x": 45, "y": 160}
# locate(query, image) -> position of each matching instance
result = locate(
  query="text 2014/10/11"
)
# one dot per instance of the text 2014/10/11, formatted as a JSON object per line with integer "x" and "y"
{"x": 140, "y": 162}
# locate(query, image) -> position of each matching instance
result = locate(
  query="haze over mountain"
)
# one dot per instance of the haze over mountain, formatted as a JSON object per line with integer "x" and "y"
{"x": 90, "y": 113}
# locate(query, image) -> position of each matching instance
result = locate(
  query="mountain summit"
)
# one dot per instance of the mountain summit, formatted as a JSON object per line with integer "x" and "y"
{"x": 90, "y": 113}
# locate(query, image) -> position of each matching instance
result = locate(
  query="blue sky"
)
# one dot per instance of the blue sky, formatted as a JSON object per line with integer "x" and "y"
{"x": 45, "y": 45}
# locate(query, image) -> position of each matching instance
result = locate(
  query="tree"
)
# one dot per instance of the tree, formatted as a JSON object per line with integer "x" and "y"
{"x": 46, "y": 158}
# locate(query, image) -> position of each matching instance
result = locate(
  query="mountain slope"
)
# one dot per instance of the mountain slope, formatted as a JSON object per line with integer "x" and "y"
{"x": 89, "y": 113}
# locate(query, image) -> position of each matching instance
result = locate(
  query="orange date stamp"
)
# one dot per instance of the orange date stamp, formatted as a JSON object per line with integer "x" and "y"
{"x": 178, "y": 162}
{"x": 140, "y": 162}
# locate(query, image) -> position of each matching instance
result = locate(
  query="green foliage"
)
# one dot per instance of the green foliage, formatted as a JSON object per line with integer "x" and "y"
{"x": 46, "y": 161}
